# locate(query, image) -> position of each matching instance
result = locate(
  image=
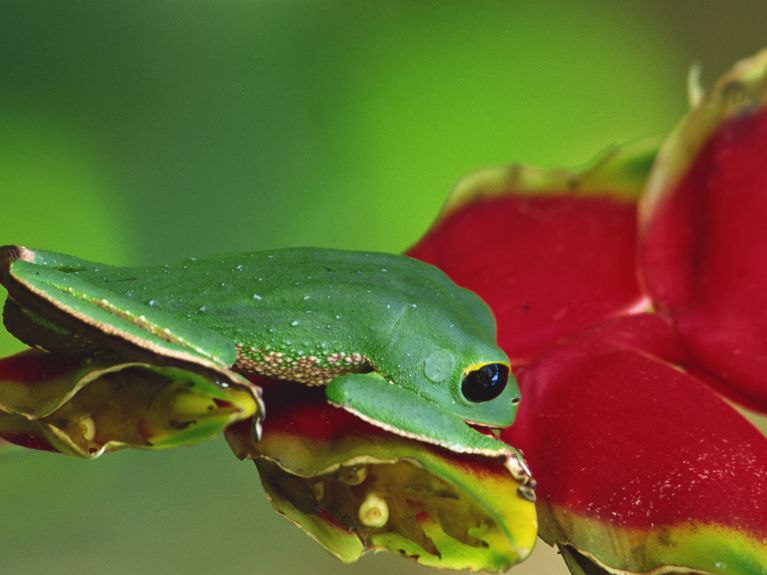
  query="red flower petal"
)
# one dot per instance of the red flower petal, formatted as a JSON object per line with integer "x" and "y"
{"x": 703, "y": 232}
{"x": 639, "y": 465}
{"x": 550, "y": 251}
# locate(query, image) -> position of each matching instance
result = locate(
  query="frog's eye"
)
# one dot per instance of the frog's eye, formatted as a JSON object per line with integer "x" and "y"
{"x": 485, "y": 383}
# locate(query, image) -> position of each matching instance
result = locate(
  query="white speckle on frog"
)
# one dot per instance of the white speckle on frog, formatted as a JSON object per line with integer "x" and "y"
{"x": 239, "y": 267}
{"x": 260, "y": 279}
{"x": 338, "y": 317}
{"x": 152, "y": 303}
{"x": 202, "y": 308}
{"x": 414, "y": 305}
{"x": 295, "y": 323}
{"x": 257, "y": 297}
{"x": 307, "y": 297}
{"x": 222, "y": 284}
{"x": 384, "y": 270}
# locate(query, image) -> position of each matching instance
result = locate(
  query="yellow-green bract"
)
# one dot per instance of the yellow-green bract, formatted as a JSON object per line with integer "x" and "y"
{"x": 395, "y": 341}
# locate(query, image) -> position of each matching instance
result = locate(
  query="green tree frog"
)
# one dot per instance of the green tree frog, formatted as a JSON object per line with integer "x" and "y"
{"x": 392, "y": 339}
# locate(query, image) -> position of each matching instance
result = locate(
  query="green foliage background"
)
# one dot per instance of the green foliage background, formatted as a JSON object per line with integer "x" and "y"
{"x": 147, "y": 131}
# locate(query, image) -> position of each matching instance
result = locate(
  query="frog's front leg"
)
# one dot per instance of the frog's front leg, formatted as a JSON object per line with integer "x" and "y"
{"x": 402, "y": 411}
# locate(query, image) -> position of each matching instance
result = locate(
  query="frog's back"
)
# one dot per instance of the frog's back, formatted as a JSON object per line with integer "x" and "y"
{"x": 302, "y": 313}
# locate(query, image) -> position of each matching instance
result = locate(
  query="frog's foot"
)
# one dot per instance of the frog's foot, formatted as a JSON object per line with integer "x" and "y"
{"x": 403, "y": 412}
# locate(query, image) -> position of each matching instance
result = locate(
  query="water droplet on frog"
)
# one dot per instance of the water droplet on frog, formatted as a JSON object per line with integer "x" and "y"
{"x": 193, "y": 259}
{"x": 239, "y": 267}
{"x": 388, "y": 306}
{"x": 307, "y": 297}
{"x": 260, "y": 279}
{"x": 129, "y": 293}
{"x": 384, "y": 270}
{"x": 186, "y": 267}
{"x": 152, "y": 303}
{"x": 203, "y": 308}
{"x": 272, "y": 329}
{"x": 295, "y": 323}
{"x": 222, "y": 284}
{"x": 338, "y": 317}
{"x": 257, "y": 297}
{"x": 414, "y": 305}
{"x": 270, "y": 256}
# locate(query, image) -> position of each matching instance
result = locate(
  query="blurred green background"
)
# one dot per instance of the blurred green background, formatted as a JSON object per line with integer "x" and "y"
{"x": 150, "y": 131}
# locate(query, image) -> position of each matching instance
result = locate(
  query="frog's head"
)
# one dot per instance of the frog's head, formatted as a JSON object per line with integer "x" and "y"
{"x": 473, "y": 381}
{"x": 448, "y": 354}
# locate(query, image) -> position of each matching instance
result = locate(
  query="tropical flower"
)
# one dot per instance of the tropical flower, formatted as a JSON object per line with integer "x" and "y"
{"x": 631, "y": 296}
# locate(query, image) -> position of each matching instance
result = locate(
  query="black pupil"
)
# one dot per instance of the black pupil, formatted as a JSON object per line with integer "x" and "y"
{"x": 486, "y": 383}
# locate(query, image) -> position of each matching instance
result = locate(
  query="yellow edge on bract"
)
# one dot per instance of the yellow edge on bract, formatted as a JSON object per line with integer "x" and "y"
{"x": 620, "y": 173}
{"x": 515, "y": 515}
{"x": 742, "y": 89}
{"x": 709, "y": 549}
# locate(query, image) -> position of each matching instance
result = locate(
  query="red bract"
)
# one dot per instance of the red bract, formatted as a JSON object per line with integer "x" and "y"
{"x": 642, "y": 466}
{"x": 703, "y": 233}
{"x": 550, "y": 252}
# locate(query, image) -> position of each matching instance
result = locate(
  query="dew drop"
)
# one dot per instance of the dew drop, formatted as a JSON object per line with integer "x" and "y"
{"x": 388, "y": 306}
{"x": 192, "y": 259}
{"x": 152, "y": 303}
{"x": 414, "y": 305}
{"x": 295, "y": 323}
{"x": 222, "y": 284}
{"x": 239, "y": 267}
{"x": 257, "y": 297}
{"x": 307, "y": 297}
{"x": 260, "y": 279}
{"x": 270, "y": 256}
{"x": 203, "y": 308}
{"x": 338, "y": 317}
{"x": 384, "y": 270}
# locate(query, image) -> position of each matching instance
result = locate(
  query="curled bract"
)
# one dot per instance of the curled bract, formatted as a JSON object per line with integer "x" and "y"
{"x": 85, "y": 408}
{"x": 356, "y": 488}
